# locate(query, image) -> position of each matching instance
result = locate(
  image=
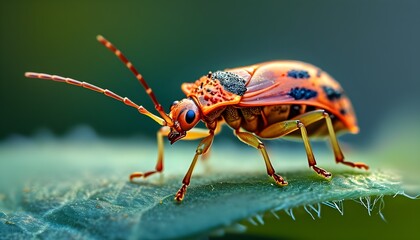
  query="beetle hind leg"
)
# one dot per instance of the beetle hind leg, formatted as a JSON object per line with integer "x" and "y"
{"x": 339, "y": 157}
{"x": 280, "y": 129}
{"x": 311, "y": 117}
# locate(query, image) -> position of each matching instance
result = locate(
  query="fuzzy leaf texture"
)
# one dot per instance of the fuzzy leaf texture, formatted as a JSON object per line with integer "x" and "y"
{"x": 55, "y": 189}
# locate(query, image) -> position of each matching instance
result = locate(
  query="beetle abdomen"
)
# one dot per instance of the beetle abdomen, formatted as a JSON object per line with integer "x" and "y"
{"x": 255, "y": 119}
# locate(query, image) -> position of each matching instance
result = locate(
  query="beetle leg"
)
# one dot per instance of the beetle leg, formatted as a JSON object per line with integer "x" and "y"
{"x": 339, "y": 157}
{"x": 195, "y": 133}
{"x": 280, "y": 129}
{"x": 310, "y": 154}
{"x": 253, "y": 141}
{"x": 317, "y": 115}
{"x": 163, "y": 131}
{"x": 217, "y": 130}
{"x": 202, "y": 148}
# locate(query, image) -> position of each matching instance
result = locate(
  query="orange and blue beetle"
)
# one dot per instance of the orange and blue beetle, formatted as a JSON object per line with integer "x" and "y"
{"x": 267, "y": 100}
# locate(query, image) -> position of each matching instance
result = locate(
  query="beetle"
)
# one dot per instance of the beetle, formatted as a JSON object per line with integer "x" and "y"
{"x": 263, "y": 101}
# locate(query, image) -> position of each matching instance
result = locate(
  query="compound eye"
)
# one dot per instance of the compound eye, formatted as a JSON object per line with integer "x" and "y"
{"x": 186, "y": 113}
{"x": 190, "y": 116}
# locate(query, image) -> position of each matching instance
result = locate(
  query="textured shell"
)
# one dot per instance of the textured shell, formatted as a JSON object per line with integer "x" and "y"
{"x": 293, "y": 82}
{"x": 209, "y": 94}
{"x": 276, "y": 83}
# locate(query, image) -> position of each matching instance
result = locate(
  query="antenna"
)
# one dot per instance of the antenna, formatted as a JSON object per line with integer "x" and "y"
{"x": 139, "y": 77}
{"x": 92, "y": 87}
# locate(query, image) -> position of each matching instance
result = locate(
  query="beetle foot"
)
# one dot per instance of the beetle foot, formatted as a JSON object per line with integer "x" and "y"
{"x": 279, "y": 180}
{"x": 179, "y": 196}
{"x": 140, "y": 174}
{"x": 322, "y": 172}
{"x": 356, "y": 165}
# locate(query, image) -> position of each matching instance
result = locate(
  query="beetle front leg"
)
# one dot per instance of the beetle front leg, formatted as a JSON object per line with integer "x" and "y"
{"x": 193, "y": 134}
{"x": 202, "y": 148}
{"x": 162, "y": 132}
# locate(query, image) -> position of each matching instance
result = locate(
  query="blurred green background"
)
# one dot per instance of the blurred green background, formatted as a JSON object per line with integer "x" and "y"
{"x": 370, "y": 47}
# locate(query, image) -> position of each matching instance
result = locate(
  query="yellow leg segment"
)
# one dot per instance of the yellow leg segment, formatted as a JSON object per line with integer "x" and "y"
{"x": 310, "y": 154}
{"x": 339, "y": 157}
{"x": 202, "y": 148}
{"x": 280, "y": 129}
{"x": 253, "y": 141}
{"x": 317, "y": 115}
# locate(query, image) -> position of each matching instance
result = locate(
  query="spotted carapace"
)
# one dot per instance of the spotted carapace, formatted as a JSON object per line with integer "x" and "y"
{"x": 262, "y": 101}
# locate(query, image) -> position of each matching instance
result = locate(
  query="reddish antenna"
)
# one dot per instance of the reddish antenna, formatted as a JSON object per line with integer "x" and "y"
{"x": 166, "y": 121}
{"x": 139, "y": 77}
{"x": 92, "y": 87}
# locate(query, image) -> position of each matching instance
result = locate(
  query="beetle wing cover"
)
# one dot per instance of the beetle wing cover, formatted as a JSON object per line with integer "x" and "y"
{"x": 292, "y": 82}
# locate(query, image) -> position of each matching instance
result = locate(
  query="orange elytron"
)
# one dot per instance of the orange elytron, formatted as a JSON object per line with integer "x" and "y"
{"x": 267, "y": 100}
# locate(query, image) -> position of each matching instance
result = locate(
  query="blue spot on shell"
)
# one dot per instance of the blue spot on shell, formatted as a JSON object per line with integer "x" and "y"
{"x": 298, "y": 74}
{"x": 302, "y": 93}
{"x": 331, "y": 93}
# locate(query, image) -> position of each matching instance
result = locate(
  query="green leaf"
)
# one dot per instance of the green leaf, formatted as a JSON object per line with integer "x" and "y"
{"x": 63, "y": 189}
{"x": 118, "y": 209}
